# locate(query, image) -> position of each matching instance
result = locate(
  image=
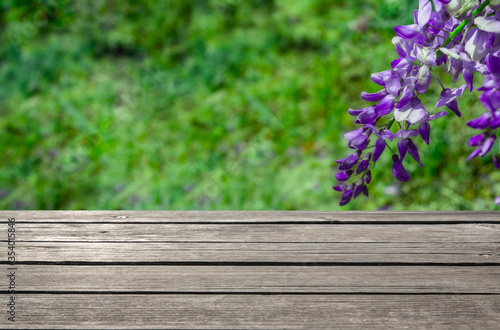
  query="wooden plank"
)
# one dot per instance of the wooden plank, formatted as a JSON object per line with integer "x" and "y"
{"x": 306, "y": 253}
{"x": 252, "y": 216}
{"x": 191, "y": 269}
{"x": 256, "y": 311}
{"x": 43, "y": 232}
{"x": 457, "y": 243}
{"x": 263, "y": 279}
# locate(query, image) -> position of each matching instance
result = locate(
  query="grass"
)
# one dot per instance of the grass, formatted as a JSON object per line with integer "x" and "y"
{"x": 222, "y": 104}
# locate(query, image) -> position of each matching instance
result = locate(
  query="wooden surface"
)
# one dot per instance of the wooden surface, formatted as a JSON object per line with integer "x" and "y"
{"x": 272, "y": 270}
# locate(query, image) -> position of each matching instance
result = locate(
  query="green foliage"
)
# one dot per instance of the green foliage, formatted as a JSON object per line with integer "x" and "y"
{"x": 220, "y": 104}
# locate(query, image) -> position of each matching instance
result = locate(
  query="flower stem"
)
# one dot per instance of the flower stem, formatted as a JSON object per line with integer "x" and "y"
{"x": 463, "y": 24}
{"x": 387, "y": 144}
{"x": 437, "y": 78}
{"x": 390, "y": 123}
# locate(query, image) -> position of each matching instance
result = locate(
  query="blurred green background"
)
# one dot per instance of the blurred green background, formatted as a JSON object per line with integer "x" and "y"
{"x": 209, "y": 104}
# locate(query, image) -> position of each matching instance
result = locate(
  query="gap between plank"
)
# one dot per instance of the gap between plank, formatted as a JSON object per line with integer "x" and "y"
{"x": 246, "y": 293}
{"x": 239, "y": 223}
{"x": 248, "y": 263}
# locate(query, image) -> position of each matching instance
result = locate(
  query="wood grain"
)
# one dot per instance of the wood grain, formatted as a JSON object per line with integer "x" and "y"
{"x": 305, "y": 253}
{"x": 338, "y": 217}
{"x": 476, "y": 233}
{"x": 215, "y": 311}
{"x": 234, "y": 270}
{"x": 263, "y": 279}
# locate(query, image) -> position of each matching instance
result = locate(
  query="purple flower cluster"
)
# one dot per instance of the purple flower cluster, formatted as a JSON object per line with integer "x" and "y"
{"x": 461, "y": 35}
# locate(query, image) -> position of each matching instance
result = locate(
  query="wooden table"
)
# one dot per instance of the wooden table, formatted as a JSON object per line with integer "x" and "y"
{"x": 227, "y": 270}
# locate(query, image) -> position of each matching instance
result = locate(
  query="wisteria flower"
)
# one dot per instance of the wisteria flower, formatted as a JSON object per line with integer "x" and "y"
{"x": 463, "y": 36}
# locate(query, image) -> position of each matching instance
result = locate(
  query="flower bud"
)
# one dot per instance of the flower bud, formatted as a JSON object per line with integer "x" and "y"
{"x": 368, "y": 177}
{"x": 398, "y": 169}
{"x": 347, "y": 195}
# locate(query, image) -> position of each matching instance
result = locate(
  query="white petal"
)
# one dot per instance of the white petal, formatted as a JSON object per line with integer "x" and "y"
{"x": 470, "y": 46}
{"x": 453, "y": 6}
{"x": 450, "y": 53}
{"x": 488, "y": 25}
{"x": 401, "y": 115}
{"x": 475, "y": 46}
{"x": 416, "y": 116}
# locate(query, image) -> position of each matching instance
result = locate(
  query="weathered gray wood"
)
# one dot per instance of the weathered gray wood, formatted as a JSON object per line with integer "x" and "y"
{"x": 262, "y": 279}
{"x": 250, "y": 216}
{"x": 307, "y": 253}
{"x": 472, "y": 233}
{"x": 258, "y": 311}
{"x": 411, "y": 243}
{"x": 192, "y": 269}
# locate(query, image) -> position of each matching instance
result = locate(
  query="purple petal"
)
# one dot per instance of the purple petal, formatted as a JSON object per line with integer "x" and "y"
{"x": 444, "y": 98}
{"x": 457, "y": 92}
{"x": 406, "y": 31}
{"x": 473, "y": 154}
{"x": 398, "y": 169}
{"x": 363, "y": 165}
{"x": 385, "y": 106}
{"x": 403, "y": 134}
{"x": 385, "y": 134}
{"x": 441, "y": 59}
{"x": 396, "y": 62}
{"x": 346, "y": 196}
{"x": 365, "y": 191}
{"x": 493, "y": 64}
{"x": 374, "y": 97}
{"x": 413, "y": 151}
{"x": 425, "y": 129}
{"x": 495, "y": 121}
{"x": 359, "y": 142}
{"x": 402, "y": 47}
{"x": 488, "y": 144}
{"x": 343, "y": 176}
{"x": 487, "y": 101}
{"x": 379, "y": 148}
{"x": 405, "y": 96}
{"x": 403, "y": 67}
{"x": 339, "y": 188}
{"x": 381, "y": 77}
{"x": 453, "y": 106}
{"x": 476, "y": 140}
{"x": 469, "y": 78}
{"x": 350, "y": 161}
{"x": 497, "y": 200}
{"x": 481, "y": 122}
{"x": 393, "y": 86}
{"x": 368, "y": 177}
{"x": 424, "y": 12}
{"x": 352, "y": 134}
{"x": 437, "y": 115}
{"x": 355, "y": 112}
{"x": 358, "y": 190}
{"x": 403, "y": 148}
{"x": 436, "y": 25}
{"x": 367, "y": 116}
